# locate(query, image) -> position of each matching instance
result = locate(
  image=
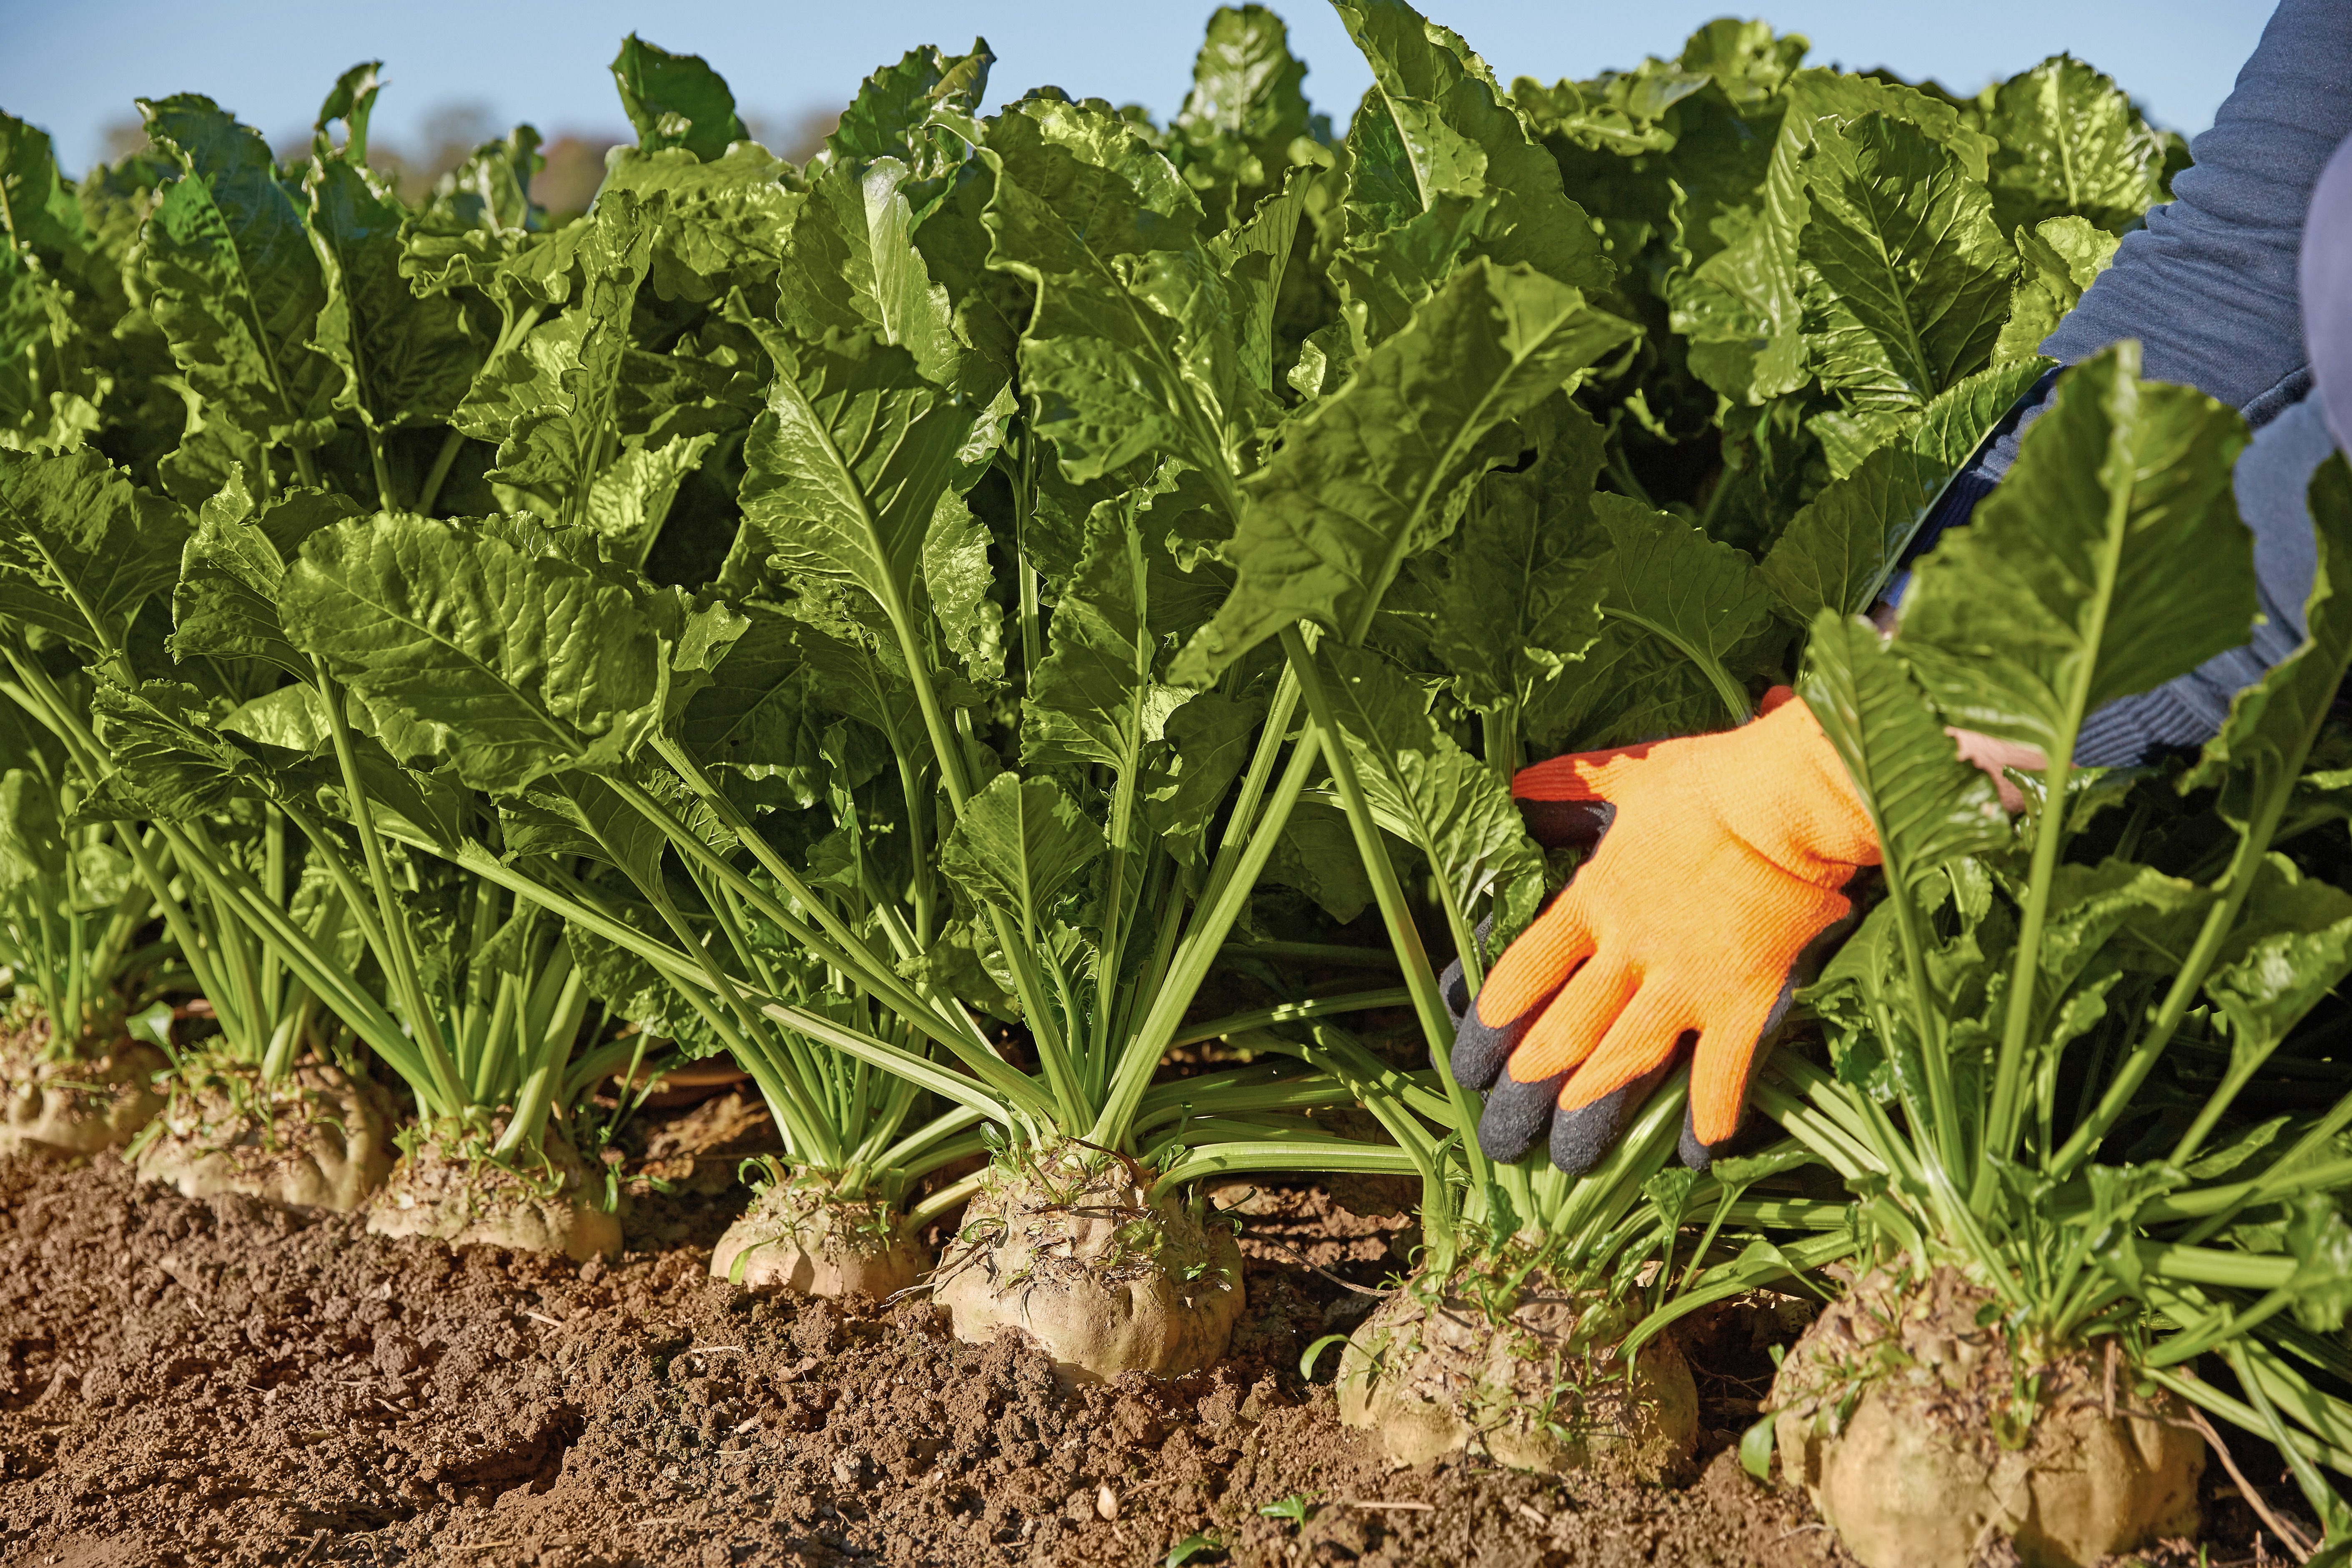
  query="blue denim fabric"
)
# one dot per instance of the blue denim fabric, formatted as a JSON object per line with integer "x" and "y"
{"x": 2210, "y": 288}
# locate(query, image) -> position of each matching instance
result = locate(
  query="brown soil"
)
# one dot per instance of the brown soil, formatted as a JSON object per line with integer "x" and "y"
{"x": 222, "y": 1382}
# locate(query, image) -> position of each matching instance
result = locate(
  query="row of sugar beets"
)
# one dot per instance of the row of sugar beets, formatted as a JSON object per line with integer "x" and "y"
{"x": 964, "y": 626}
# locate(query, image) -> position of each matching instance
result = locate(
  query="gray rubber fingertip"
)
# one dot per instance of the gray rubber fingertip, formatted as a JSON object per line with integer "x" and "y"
{"x": 1698, "y": 1156}
{"x": 1516, "y": 1115}
{"x": 1582, "y": 1139}
{"x": 1481, "y": 1049}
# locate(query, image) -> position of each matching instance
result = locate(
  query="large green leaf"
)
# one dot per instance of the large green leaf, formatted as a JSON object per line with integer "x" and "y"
{"x": 1015, "y": 846}
{"x": 1909, "y": 280}
{"x": 1245, "y": 82}
{"x": 1456, "y": 809}
{"x": 1131, "y": 354}
{"x": 1928, "y": 807}
{"x": 1700, "y": 595}
{"x": 550, "y": 400}
{"x": 1745, "y": 302}
{"x": 891, "y": 116}
{"x": 724, "y": 222}
{"x": 2291, "y": 945}
{"x": 675, "y": 100}
{"x": 2068, "y": 589}
{"x": 80, "y": 549}
{"x": 1097, "y": 697}
{"x": 1383, "y": 468}
{"x": 2071, "y": 142}
{"x": 225, "y": 604}
{"x": 519, "y": 663}
{"x": 1210, "y": 739}
{"x": 1519, "y": 595}
{"x": 1840, "y": 550}
{"x": 238, "y": 290}
{"x": 755, "y": 715}
{"x": 405, "y": 360}
{"x": 851, "y": 265}
{"x": 37, "y": 210}
{"x": 1460, "y": 137}
{"x": 846, "y": 467}
{"x": 2062, "y": 256}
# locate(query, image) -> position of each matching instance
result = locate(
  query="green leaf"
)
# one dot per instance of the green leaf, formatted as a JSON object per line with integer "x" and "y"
{"x": 1210, "y": 739}
{"x": 489, "y": 193}
{"x": 1317, "y": 854}
{"x": 1745, "y": 302}
{"x": 1756, "y": 1448}
{"x": 1669, "y": 578}
{"x": 51, "y": 387}
{"x": 724, "y": 222}
{"x": 1839, "y": 551}
{"x": 2071, "y": 142}
{"x": 958, "y": 576}
{"x": 1383, "y": 468}
{"x": 1097, "y": 697}
{"x": 405, "y": 360}
{"x": 2291, "y": 945}
{"x": 519, "y": 664}
{"x": 1910, "y": 277}
{"x": 225, "y": 604}
{"x": 1016, "y": 844}
{"x": 2066, "y": 592}
{"x": 850, "y": 267}
{"x": 1131, "y": 354}
{"x": 37, "y": 210}
{"x": 676, "y": 101}
{"x": 1245, "y": 82}
{"x": 846, "y": 467}
{"x": 237, "y": 291}
{"x": 1456, "y": 809}
{"x": 1460, "y": 137}
{"x": 1928, "y": 806}
{"x": 80, "y": 550}
{"x": 754, "y": 716}
{"x": 2263, "y": 742}
{"x": 2061, "y": 257}
{"x": 550, "y": 402}
{"x": 351, "y": 101}
{"x": 891, "y": 116}
{"x": 1519, "y": 597}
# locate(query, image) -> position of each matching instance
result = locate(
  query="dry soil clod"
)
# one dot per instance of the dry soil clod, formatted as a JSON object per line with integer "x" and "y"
{"x": 446, "y": 1193}
{"x": 1542, "y": 1388}
{"x": 798, "y": 1236}
{"x": 1086, "y": 1256}
{"x": 1893, "y": 1411}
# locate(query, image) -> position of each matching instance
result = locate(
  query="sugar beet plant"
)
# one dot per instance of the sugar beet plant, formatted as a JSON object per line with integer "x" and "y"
{"x": 894, "y": 619}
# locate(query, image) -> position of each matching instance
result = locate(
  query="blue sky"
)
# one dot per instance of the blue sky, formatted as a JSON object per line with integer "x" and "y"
{"x": 73, "y": 66}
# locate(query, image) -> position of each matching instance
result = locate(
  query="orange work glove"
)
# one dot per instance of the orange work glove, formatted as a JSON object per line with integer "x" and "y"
{"x": 1719, "y": 862}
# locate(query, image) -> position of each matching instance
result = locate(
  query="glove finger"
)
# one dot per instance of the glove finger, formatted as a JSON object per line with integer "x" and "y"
{"x": 1729, "y": 1051}
{"x": 1516, "y": 1115}
{"x": 1574, "y": 1021}
{"x": 1645, "y": 1035}
{"x": 1481, "y": 1046}
{"x": 1532, "y": 968}
{"x": 1582, "y": 1137}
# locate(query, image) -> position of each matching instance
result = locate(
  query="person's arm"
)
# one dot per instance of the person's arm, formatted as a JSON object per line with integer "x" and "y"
{"x": 2209, "y": 289}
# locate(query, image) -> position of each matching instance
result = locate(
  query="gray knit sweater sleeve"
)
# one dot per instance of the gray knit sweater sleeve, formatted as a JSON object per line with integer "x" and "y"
{"x": 2208, "y": 288}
